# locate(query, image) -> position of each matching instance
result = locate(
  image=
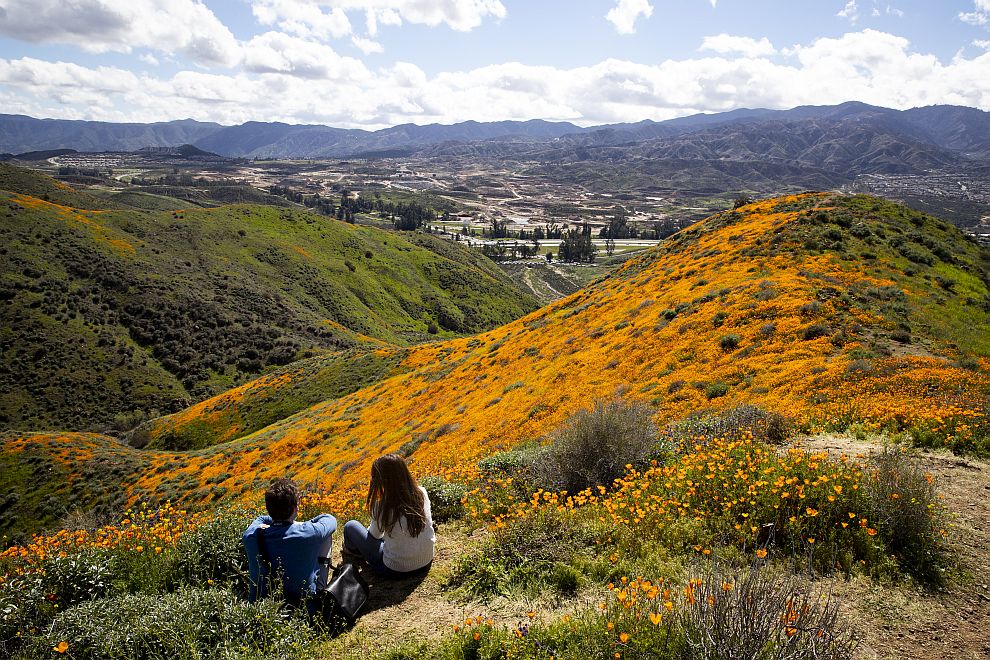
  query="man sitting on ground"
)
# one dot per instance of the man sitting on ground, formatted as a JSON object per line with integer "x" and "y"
{"x": 294, "y": 553}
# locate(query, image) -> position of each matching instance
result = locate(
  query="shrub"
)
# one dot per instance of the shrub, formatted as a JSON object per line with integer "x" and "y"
{"x": 718, "y": 614}
{"x": 901, "y": 336}
{"x": 759, "y": 614}
{"x": 29, "y": 601}
{"x": 903, "y": 502}
{"x": 594, "y": 446}
{"x": 730, "y": 342}
{"x": 734, "y": 423}
{"x": 526, "y": 555}
{"x": 716, "y": 390}
{"x": 213, "y": 551}
{"x": 509, "y": 462}
{"x": 445, "y": 498}
{"x": 814, "y": 331}
{"x": 191, "y": 623}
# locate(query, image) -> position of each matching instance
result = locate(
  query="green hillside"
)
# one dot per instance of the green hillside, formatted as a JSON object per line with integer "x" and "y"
{"x": 270, "y": 398}
{"x": 29, "y": 182}
{"x": 162, "y": 308}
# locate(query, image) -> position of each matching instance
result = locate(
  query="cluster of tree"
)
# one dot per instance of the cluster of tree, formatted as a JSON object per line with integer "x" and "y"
{"x": 187, "y": 180}
{"x": 510, "y": 250}
{"x": 410, "y": 216}
{"x": 577, "y": 246}
{"x": 498, "y": 229}
{"x": 66, "y": 170}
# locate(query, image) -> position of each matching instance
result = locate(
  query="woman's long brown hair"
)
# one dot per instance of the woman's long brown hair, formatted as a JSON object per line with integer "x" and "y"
{"x": 394, "y": 493}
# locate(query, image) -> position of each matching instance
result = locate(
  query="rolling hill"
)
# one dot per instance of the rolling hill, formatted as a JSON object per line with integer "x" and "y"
{"x": 838, "y": 312}
{"x": 165, "y": 307}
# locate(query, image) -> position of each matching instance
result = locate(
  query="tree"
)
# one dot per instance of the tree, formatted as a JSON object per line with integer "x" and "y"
{"x": 742, "y": 199}
{"x": 577, "y": 246}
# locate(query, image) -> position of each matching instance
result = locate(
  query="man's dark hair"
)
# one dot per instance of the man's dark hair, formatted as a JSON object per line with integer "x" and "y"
{"x": 281, "y": 499}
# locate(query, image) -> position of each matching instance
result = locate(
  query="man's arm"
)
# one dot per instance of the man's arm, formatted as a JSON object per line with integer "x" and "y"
{"x": 251, "y": 548}
{"x": 325, "y": 524}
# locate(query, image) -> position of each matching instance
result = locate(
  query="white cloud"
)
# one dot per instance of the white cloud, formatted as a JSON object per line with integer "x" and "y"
{"x": 275, "y": 52}
{"x": 982, "y": 43}
{"x": 302, "y": 18}
{"x": 288, "y": 78}
{"x": 973, "y": 18}
{"x": 746, "y": 46}
{"x": 170, "y": 26}
{"x": 980, "y": 14}
{"x": 625, "y": 13}
{"x": 322, "y": 18}
{"x": 850, "y": 11}
{"x": 148, "y": 58}
{"x": 367, "y": 46}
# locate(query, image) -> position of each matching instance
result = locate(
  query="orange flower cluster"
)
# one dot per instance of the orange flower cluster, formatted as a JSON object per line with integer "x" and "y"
{"x": 141, "y": 530}
{"x": 730, "y": 486}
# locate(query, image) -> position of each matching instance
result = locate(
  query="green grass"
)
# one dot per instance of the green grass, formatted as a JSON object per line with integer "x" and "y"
{"x": 38, "y": 490}
{"x": 44, "y": 187}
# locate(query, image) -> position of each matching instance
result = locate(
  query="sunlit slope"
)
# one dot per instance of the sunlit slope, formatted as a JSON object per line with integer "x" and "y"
{"x": 833, "y": 311}
{"x": 44, "y": 187}
{"x": 45, "y": 478}
{"x": 266, "y": 400}
{"x": 163, "y": 308}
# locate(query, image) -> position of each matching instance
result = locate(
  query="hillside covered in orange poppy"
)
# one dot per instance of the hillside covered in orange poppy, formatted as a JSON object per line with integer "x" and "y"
{"x": 840, "y": 313}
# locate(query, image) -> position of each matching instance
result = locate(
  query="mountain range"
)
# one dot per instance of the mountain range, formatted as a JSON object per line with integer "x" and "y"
{"x": 914, "y": 139}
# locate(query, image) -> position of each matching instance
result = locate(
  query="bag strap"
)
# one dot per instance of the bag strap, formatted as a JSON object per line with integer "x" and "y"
{"x": 259, "y": 537}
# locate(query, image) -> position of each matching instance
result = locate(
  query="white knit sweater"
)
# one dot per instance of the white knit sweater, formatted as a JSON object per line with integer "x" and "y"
{"x": 403, "y": 552}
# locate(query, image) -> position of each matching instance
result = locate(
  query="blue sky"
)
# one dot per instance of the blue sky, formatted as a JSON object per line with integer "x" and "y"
{"x": 372, "y": 63}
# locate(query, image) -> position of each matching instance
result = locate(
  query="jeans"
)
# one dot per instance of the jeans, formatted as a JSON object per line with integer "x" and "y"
{"x": 358, "y": 540}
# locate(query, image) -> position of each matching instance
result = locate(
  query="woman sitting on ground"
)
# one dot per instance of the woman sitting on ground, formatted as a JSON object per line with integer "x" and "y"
{"x": 399, "y": 542}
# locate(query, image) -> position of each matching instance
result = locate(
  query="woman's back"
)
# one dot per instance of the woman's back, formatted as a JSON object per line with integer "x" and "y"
{"x": 404, "y": 552}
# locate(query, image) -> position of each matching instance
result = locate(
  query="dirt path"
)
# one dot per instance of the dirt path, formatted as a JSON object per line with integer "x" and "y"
{"x": 897, "y": 621}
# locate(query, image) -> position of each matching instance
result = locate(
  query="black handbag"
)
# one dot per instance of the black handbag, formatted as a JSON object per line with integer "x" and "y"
{"x": 346, "y": 593}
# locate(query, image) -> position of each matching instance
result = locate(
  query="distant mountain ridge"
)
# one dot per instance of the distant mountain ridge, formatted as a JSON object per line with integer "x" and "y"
{"x": 962, "y": 131}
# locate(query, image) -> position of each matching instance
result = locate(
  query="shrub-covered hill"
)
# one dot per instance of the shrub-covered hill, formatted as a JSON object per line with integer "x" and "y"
{"x": 107, "y": 314}
{"x": 30, "y": 182}
{"x": 838, "y": 312}
{"x": 266, "y": 400}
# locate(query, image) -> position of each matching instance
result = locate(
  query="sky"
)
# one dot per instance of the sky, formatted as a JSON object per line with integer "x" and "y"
{"x": 376, "y": 63}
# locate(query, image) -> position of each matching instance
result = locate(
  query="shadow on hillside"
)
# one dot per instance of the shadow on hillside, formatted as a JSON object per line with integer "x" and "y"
{"x": 386, "y": 593}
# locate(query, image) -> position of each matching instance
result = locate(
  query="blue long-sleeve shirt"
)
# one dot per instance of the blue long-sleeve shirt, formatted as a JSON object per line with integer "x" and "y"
{"x": 293, "y": 550}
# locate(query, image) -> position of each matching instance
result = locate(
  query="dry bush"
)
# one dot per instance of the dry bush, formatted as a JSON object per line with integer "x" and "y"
{"x": 594, "y": 446}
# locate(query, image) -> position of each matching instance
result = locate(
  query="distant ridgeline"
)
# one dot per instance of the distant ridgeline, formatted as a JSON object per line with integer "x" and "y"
{"x": 111, "y": 311}
{"x": 839, "y": 312}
